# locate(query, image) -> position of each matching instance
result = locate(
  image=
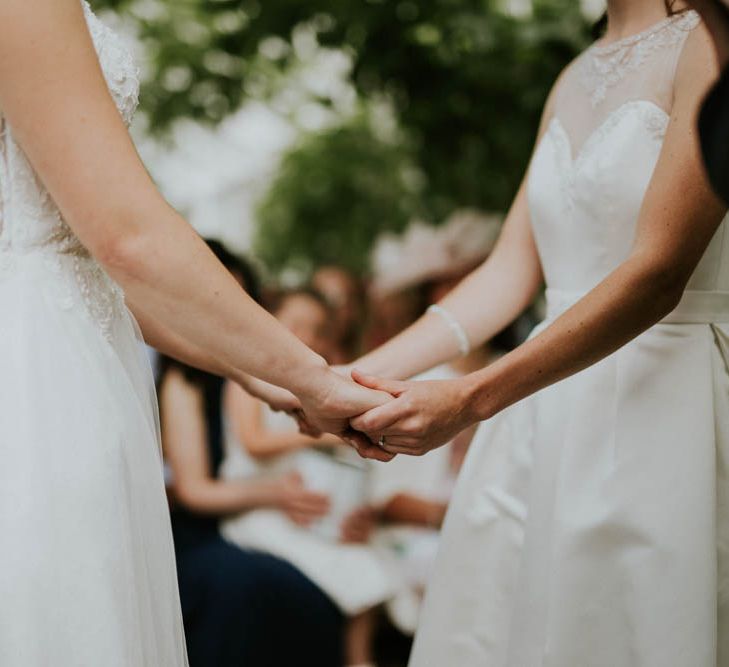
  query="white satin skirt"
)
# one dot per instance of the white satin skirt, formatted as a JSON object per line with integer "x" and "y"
{"x": 590, "y": 526}
{"x": 87, "y": 570}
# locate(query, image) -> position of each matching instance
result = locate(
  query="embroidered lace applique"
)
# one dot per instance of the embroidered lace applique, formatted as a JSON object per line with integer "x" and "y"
{"x": 605, "y": 66}
{"x": 29, "y": 218}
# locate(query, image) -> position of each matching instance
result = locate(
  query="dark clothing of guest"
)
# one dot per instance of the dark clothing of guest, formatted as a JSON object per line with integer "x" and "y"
{"x": 243, "y": 608}
{"x": 192, "y": 529}
{"x": 246, "y": 609}
{"x": 714, "y": 131}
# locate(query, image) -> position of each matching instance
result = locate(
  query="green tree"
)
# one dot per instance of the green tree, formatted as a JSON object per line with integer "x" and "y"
{"x": 467, "y": 80}
{"x": 334, "y": 194}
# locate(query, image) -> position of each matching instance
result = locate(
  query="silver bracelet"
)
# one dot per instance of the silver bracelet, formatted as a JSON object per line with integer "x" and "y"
{"x": 455, "y": 326}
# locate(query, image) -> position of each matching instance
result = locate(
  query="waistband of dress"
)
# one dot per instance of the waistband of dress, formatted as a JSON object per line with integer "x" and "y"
{"x": 695, "y": 307}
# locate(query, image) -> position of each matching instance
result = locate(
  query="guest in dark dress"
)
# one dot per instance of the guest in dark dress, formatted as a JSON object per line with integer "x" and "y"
{"x": 714, "y": 117}
{"x": 240, "y": 608}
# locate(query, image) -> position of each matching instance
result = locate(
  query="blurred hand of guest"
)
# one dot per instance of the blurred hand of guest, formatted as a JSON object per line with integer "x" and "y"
{"x": 302, "y": 506}
{"x": 413, "y": 509}
{"x": 357, "y": 527}
{"x": 423, "y": 415}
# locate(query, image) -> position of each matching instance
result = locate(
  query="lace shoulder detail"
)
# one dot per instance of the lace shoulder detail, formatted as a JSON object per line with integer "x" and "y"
{"x": 117, "y": 63}
{"x": 604, "y": 66}
{"x": 32, "y": 229}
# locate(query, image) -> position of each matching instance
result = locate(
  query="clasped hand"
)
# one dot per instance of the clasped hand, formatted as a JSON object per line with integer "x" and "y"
{"x": 380, "y": 418}
{"x": 400, "y": 418}
{"x": 421, "y": 416}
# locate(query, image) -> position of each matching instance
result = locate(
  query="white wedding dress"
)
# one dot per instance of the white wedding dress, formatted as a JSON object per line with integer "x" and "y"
{"x": 87, "y": 572}
{"x": 590, "y": 526}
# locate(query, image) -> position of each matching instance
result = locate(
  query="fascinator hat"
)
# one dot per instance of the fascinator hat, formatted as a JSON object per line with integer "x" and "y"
{"x": 425, "y": 253}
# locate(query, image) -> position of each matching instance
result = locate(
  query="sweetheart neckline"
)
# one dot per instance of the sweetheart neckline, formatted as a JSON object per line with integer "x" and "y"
{"x": 577, "y": 157}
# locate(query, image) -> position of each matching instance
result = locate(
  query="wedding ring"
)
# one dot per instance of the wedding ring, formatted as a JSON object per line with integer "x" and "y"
{"x": 381, "y": 441}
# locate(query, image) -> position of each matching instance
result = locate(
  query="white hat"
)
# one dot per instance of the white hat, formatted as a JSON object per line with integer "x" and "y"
{"x": 425, "y": 252}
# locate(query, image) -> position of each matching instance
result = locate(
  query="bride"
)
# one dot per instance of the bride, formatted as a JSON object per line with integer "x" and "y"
{"x": 87, "y": 573}
{"x": 590, "y": 526}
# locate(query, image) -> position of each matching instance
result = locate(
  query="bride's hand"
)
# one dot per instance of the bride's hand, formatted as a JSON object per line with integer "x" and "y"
{"x": 423, "y": 416}
{"x": 280, "y": 400}
{"x": 334, "y": 400}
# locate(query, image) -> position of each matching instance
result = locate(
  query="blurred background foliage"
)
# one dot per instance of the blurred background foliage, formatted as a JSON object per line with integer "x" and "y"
{"x": 351, "y": 184}
{"x": 465, "y": 81}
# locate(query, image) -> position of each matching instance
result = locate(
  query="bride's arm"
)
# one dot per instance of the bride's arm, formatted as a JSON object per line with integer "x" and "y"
{"x": 484, "y": 303}
{"x": 54, "y": 97}
{"x": 490, "y": 298}
{"x": 679, "y": 216}
{"x": 169, "y": 343}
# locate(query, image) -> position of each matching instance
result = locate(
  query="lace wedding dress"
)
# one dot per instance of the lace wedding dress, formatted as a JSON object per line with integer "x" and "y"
{"x": 590, "y": 526}
{"x": 87, "y": 573}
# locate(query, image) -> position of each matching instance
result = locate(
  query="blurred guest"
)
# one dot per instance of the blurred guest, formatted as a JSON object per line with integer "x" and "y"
{"x": 425, "y": 253}
{"x": 331, "y": 550}
{"x": 344, "y": 294}
{"x": 390, "y": 313}
{"x": 714, "y": 117}
{"x": 412, "y": 494}
{"x": 408, "y": 271}
{"x": 237, "y": 605}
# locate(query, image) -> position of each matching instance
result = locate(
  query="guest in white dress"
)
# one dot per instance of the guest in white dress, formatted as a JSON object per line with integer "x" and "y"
{"x": 412, "y": 496}
{"x": 333, "y": 551}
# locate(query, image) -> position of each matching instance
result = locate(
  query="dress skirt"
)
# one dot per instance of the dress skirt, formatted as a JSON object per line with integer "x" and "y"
{"x": 590, "y": 526}
{"x": 87, "y": 571}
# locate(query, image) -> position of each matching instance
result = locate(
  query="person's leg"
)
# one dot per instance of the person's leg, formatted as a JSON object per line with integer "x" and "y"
{"x": 358, "y": 639}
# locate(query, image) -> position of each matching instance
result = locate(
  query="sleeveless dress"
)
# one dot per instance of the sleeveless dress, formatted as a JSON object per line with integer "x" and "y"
{"x": 87, "y": 569}
{"x": 590, "y": 526}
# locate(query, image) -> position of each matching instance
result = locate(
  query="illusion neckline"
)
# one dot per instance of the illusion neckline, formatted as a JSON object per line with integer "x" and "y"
{"x": 630, "y": 40}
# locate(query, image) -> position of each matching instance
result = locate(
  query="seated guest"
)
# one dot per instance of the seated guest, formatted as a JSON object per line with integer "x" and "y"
{"x": 331, "y": 551}
{"x": 344, "y": 293}
{"x": 239, "y": 607}
{"x": 412, "y": 493}
{"x": 412, "y": 496}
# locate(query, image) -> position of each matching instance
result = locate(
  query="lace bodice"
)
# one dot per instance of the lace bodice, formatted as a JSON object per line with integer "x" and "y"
{"x": 592, "y": 169}
{"x": 29, "y": 218}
